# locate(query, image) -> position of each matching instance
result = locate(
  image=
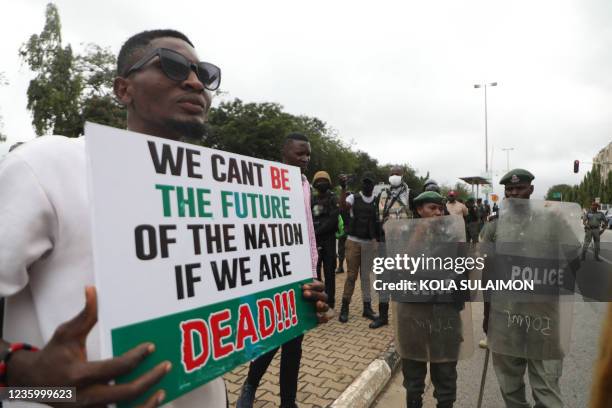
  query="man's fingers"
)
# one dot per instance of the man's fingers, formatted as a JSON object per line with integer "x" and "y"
{"x": 322, "y": 307}
{"x": 107, "y": 370}
{"x": 316, "y": 285}
{"x": 108, "y": 394}
{"x": 154, "y": 400}
{"x": 314, "y": 295}
{"x": 81, "y": 324}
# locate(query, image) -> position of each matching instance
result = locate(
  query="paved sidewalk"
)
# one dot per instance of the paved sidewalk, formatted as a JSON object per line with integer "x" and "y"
{"x": 334, "y": 354}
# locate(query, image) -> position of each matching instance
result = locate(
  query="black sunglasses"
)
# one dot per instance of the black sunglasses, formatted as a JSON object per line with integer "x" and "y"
{"x": 178, "y": 68}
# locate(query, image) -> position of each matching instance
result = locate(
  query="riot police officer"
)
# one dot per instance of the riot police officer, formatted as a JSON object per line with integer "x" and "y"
{"x": 594, "y": 225}
{"x": 528, "y": 233}
{"x": 432, "y": 328}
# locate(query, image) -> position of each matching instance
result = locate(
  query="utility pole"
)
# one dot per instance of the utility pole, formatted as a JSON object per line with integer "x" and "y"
{"x": 485, "y": 118}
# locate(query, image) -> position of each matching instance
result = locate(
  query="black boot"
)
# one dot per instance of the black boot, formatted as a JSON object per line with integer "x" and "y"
{"x": 344, "y": 311}
{"x": 247, "y": 396}
{"x": 445, "y": 404}
{"x": 368, "y": 312}
{"x": 383, "y": 318}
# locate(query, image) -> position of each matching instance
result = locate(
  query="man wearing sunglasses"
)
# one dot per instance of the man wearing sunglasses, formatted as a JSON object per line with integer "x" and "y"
{"x": 45, "y": 240}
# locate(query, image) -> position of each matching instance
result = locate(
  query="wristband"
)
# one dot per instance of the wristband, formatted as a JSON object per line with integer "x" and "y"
{"x": 6, "y": 356}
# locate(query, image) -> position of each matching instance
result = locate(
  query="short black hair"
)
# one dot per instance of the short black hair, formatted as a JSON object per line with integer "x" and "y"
{"x": 141, "y": 41}
{"x": 296, "y": 136}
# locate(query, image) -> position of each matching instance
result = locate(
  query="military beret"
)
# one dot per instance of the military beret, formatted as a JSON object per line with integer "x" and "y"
{"x": 321, "y": 175}
{"x": 517, "y": 176}
{"x": 428, "y": 197}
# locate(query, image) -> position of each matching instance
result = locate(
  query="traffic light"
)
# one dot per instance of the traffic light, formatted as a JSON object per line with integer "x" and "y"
{"x": 576, "y": 166}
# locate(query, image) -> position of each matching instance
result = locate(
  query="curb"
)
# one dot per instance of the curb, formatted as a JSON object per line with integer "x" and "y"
{"x": 363, "y": 391}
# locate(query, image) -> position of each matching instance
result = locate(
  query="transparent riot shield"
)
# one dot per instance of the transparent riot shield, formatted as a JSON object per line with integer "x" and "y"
{"x": 423, "y": 273}
{"x": 532, "y": 278}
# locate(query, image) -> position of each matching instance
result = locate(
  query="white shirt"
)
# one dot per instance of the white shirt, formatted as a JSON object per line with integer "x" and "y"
{"x": 45, "y": 248}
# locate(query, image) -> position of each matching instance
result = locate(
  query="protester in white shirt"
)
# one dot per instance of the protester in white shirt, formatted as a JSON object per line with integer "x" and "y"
{"x": 45, "y": 241}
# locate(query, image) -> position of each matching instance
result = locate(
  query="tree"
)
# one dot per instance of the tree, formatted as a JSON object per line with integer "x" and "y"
{"x": 564, "y": 189}
{"x": 54, "y": 92}
{"x": 97, "y": 68}
{"x": 68, "y": 89}
{"x": 259, "y": 129}
{"x": 461, "y": 189}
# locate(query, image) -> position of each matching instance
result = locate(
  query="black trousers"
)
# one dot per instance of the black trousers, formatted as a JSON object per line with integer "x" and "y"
{"x": 443, "y": 377}
{"x": 327, "y": 259}
{"x": 291, "y": 355}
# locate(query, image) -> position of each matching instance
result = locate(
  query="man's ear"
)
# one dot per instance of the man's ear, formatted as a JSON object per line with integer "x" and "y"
{"x": 122, "y": 89}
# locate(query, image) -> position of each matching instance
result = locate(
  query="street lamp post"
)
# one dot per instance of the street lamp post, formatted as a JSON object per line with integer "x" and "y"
{"x": 507, "y": 150}
{"x": 486, "y": 134}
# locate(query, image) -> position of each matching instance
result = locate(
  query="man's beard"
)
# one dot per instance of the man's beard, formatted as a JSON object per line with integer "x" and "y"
{"x": 189, "y": 131}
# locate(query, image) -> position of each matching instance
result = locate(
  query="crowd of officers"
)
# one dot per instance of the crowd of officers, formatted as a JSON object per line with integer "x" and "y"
{"x": 344, "y": 224}
{"x": 356, "y": 219}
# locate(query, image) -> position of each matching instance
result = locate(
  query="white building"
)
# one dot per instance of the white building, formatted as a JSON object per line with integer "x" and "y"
{"x": 604, "y": 157}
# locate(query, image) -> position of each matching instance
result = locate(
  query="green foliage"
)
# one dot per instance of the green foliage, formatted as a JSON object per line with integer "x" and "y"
{"x": 564, "y": 189}
{"x": 591, "y": 186}
{"x": 463, "y": 191}
{"x": 68, "y": 89}
{"x": 259, "y": 130}
{"x": 97, "y": 67}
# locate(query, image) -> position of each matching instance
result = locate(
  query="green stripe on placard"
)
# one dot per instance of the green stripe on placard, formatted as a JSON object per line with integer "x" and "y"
{"x": 170, "y": 342}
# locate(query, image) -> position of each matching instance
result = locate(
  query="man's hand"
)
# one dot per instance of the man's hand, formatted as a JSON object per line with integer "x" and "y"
{"x": 63, "y": 362}
{"x": 315, "y": 292}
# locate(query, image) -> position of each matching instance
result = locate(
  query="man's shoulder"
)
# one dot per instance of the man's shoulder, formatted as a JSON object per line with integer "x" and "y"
{"x": 48, "y": 159}
{"x": 49, "y": 148}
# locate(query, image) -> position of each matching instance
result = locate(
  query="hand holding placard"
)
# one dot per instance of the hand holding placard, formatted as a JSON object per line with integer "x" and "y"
{"x": 62, "y": 362}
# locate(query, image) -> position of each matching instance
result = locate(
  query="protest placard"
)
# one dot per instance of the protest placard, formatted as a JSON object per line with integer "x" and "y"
{"x": 199, "y": 251}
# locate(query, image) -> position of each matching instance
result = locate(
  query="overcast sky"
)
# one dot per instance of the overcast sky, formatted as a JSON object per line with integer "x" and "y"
{"x": 393, "y": 78}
